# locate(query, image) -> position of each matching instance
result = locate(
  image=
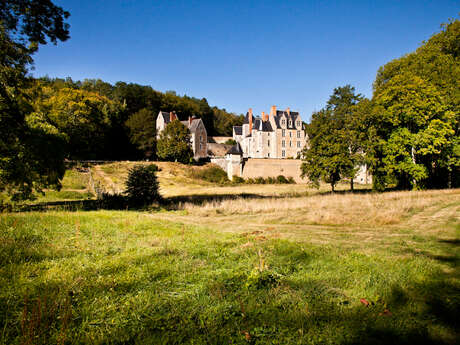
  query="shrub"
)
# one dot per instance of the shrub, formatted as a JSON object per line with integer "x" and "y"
{"x": 271, "y": 180}
{"x": 237, "y": 179}
{"x": 281, "y": 179}
{"x": 291, "y": 180}
{"x": 250, "y": 180}
{"x": 107, "y": 201}
{"x": 230, "y": 142}
{"x": 259, "y": 180}
{"x": 142, "y": 185}
{"x": 214, "y": 174}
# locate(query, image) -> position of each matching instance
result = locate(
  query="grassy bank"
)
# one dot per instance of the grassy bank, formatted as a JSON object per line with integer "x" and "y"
{"x": 374, "y": 269}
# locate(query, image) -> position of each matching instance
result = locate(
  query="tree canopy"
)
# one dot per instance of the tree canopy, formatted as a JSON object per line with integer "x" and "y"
{"x": 30, "y": 152}
{"x": 174, "y": 143}
{"x": 416, "y": 115}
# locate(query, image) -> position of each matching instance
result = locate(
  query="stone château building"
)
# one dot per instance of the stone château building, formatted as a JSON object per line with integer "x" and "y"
{"x": 279, "y": 134}
{"x": 198, "y": 134}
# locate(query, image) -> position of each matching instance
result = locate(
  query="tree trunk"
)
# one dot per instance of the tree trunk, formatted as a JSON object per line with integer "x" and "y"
{"x": 351, "y": 184}
{"x": 332, "y": 186}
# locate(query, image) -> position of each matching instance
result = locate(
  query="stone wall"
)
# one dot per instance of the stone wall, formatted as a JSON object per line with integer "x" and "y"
{"x": 254, "y": 167}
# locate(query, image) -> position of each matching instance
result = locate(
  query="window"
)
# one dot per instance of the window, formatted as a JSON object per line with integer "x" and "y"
{"x": 290, "y": 123}
{"x": 283, "y": 143}
{"x": 200, "y": 146}
{"x": 298, "y": 144}
{"x": 283, "y": 153}
{"x": 290, "y": 134}
{"x": 201, "y": 138}
{"x": 298, "y": 134}
{"x": 268, "y": 143}
{"x": 283, "y": 122}
{"x": 298, "y": 123}
{"x": 268, "y": 154}
{"x": 283, "y": 132}
{"x": 290, "y": 143}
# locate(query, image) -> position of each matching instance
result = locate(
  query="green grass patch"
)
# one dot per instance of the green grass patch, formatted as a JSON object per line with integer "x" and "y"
{"x": 125, "y": 277}
{"x": 74, "y": 179}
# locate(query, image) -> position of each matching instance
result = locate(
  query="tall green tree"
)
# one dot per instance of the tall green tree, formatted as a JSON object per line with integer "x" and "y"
{"x": 416, "y": 115}
{"x": 335, "y": 149}
{"x": 326, "y": 157}
{"x": 174, "y": 143}
{"x": 84, "y": 117}
{"x": 28, "y": 159}
{"x": 347, "y": 126}
{"x": 143, "y": 132}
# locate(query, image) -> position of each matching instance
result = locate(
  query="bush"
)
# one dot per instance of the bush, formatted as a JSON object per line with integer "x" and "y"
{"x": 214, "y": 174}
{"x": 291, "y": 180}
{"x": 271, "y": 180}
{"x": 281, "y": 179}
{"x": 142, "y": 185}
{"x": 250, "y": 180}
{"x": 107, "y": 201}
{"x": 259, "y": 180}
{"x": 230, "y": 142}
{"x": 237, "y": 179}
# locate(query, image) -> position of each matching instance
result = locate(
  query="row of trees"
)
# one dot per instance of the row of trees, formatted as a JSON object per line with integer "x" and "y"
{"x": 117, "y": 121}
{"x": 407, "y": 134}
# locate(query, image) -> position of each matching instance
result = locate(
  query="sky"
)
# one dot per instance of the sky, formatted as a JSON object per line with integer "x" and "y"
{"x": 241, "y": 54}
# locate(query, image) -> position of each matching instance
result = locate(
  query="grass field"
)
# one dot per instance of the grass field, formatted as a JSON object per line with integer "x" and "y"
{"x": 284, "y": 265}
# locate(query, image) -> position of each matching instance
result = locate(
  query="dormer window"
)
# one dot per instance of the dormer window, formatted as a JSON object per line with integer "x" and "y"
{"x": 283, "y": 122}
{"x": 298, "y": 123}
{"x": 290, "y": 123}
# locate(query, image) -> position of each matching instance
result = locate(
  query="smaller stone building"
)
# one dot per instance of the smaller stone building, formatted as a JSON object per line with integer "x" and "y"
{"x": 198, "y": 134}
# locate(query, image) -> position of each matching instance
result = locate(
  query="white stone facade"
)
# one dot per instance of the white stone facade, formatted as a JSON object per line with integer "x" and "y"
{"x": 279, "y": 134}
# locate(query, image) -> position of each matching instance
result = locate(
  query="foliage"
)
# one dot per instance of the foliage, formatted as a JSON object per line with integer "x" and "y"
{"x": 142, "y": 185}
{"x": 84, "y": 117}
{"x": 280, "y": 179}
{"x": 230, "y": 142}
{"x": 213, "y": 174}
{"x": 142, "y": 131}
{"x": 335, "y": 143}
{"x": 174, "y": 143}
{"x": 237, "y": 179}
{"x": 327, "y": 155}
{"x": 416, "y": 115}
{"x": 31, "y": 155}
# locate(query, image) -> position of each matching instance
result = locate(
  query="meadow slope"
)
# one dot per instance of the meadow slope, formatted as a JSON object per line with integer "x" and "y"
{"x": 267, "y": 269}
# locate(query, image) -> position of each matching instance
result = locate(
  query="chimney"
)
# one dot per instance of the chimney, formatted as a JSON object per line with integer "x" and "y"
{"x": 172, "y": 116}
{"x": 288, "y": 111}
{"x": 250, "y": 120}
{"x": 273, "y": 110}
{"x": 263, "y": 116}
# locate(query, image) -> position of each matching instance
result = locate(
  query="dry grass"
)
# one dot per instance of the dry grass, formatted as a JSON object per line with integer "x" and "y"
{"x": 331, "y": 209}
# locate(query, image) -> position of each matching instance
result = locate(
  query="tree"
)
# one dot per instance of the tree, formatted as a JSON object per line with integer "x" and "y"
{"x": 25, "y": 164}
{"x": 347, "y": 124}
{"x": 327, "y": 155}
{"x": 335, "y": 148}
{"x": 174, "y": 143}
{"x": 142, "y": 131}
{"x": 84, "y": 117}
{"x": 416, "y": 115}
{"x": 142, "y": 185}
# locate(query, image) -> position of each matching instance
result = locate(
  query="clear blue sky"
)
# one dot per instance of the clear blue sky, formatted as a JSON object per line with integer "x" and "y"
{"x": 241, "y": 54}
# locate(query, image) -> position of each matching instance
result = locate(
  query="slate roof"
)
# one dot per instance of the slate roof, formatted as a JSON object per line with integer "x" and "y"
{"x": 193, "y": 126}
{"x": 218, "y": 150}
{"x": 235, "y": 150}
{"x": 238, "y": 130}
{"x": 165, "y": 116}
